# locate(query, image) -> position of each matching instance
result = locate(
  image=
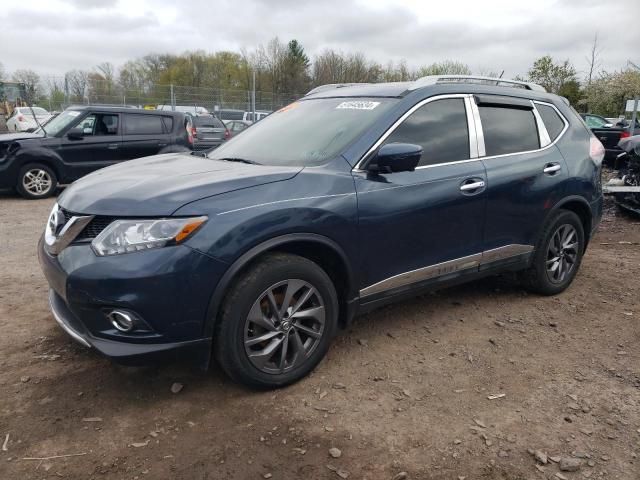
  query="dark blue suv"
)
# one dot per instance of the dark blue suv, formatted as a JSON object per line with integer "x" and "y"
{"x": 352, "y": 197}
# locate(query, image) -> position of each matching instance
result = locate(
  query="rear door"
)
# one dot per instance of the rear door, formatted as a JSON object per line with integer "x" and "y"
{"x": 145, "y": 134}
{"x": 526, "y": 173}
{"x": 100, "y": 145}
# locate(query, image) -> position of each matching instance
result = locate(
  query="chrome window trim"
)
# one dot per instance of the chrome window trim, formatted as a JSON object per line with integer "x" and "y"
{"x": 543, "y": 135}
{"x": 445, "y": 268}
{"x": 471, "y": 128}
{"x": 478, "y": 126}
{"x": 564, "y": 130}
{"x": 404, "y": 116}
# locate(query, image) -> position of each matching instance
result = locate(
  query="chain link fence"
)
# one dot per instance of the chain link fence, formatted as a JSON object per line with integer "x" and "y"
{"x": 59, "y": 93}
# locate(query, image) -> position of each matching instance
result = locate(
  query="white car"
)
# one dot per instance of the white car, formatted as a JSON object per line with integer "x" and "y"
{"x": 23, "y": 118}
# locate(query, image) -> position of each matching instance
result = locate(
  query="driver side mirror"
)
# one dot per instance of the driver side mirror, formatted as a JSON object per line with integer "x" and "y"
{"x": 75, "y": 134}
{"x": 396, "y": 157}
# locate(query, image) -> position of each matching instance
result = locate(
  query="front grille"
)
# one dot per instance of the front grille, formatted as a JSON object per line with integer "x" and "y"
{"x": 93, "y": 229}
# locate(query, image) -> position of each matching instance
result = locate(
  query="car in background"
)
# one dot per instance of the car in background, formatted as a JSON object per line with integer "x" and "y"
{"x": 608, "y": 133}
{"x": 191, "y": 110}
{"x": 236, "y": 126}
{"x": 233, "y": 114}
{"x": 27, "y": 118}
{"x": 83, "y": 139}
{"x": 207, "y": 132}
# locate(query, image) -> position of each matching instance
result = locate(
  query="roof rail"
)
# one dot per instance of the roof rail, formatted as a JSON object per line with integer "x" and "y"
{"x": 332, "y": 86}
{"x": 499, "y": 82}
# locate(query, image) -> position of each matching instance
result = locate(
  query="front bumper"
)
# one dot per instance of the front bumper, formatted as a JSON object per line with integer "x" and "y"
{"x": 169, "y": 290}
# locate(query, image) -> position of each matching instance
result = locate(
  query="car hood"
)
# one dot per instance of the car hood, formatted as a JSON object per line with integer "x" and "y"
{"x": 159, "y": 185}
{"x": 12, "y": 137}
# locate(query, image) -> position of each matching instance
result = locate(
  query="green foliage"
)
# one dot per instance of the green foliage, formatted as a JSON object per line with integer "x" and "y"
{"x": 607, "y": 94}
{"x": 552, "y": 76}
{"x": 448, "y": 67}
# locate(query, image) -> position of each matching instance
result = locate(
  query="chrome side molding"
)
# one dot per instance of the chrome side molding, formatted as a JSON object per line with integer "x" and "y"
{"x": 446, "y": 268}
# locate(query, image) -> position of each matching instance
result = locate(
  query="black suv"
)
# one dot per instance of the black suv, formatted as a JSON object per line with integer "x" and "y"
{"x": 83, "y": 139}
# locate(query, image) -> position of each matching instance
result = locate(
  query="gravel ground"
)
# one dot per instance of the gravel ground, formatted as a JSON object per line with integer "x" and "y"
{"x": 408, "y": 388}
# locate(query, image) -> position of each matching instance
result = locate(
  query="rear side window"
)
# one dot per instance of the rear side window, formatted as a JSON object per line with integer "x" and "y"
{"x": 168, "y": 124}
{"x": 208, "y": 122}
{"x": 551, "y": 119}
{"x": 143, "y": 125}
{"x": 508, "y": 130}
{"x": 440, "y": 127}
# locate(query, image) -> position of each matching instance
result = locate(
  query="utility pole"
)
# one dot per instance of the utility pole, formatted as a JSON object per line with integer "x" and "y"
{"x": 253, "y": 98}
{"x": 632, "y": 127}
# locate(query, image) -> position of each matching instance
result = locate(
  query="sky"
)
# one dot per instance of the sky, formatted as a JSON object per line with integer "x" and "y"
{"x": 53, "y": 36}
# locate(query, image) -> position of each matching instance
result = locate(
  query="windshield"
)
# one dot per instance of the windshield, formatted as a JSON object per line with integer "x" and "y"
{"x": 305, "y": 133}
{"x": 59, "y": 123}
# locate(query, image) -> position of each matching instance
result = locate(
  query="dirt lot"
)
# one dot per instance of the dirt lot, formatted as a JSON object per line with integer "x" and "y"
{"x": 405, "y": 389}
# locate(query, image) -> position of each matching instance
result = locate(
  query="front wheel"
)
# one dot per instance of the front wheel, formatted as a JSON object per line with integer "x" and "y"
{"x": 36, "y": 181}
{"x": 276, "y": 322}
{"x": 557, "y": 256}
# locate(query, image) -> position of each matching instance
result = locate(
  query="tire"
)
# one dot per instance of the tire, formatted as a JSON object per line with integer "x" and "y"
{"x": 41, "y": 184}
{"x": 563, "y": 233}
{"x": 305, "y": 338}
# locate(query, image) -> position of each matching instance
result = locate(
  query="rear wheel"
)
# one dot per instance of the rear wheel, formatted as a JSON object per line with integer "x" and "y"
{"x": 557, "y": 256}
{"x": 36, "y": 181}
{"x": 276, "y": 322}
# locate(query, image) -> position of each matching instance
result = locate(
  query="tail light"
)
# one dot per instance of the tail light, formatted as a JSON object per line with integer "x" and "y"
{"x": 227, "y": 134}
{"x": 625, "y": 134}
{"x": 596, "y": 150}
{"x": 20, "y": 118}
{"x": 194, "y": 132}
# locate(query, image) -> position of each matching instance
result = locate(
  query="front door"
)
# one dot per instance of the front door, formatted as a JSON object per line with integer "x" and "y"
{"x": 99, "y": 146}
{"x": 427, "y": 224}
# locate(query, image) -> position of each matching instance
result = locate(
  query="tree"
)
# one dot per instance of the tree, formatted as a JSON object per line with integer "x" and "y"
{"x": 31, "y": 81}
{"x": 593, "y": 60}
{"x": 2, "y": 72}
{"x": 296, "y": 68}
{"x": 608, "y": 92}
{"x": 76, "y": 84}
{"x": 552, "y": 76}
{"x": 447, "y": 67}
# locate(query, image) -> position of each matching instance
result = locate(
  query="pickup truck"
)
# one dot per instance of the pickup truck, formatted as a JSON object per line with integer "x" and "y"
{"x": 608, "y": 133}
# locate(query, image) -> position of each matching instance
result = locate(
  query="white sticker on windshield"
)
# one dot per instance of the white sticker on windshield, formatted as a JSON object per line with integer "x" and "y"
{"x": 358, "y": 105}
{"x": 73, "y": 113}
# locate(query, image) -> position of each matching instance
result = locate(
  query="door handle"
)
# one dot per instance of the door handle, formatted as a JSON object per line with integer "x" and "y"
{"x": 465, "y": 187}
{"x": 551, "y": 168}
{"x": 162, "y": 144}
{"x": 112, "y": 146}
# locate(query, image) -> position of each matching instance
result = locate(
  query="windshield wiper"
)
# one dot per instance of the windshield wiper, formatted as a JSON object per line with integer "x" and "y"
{"x": 240, "y": 160}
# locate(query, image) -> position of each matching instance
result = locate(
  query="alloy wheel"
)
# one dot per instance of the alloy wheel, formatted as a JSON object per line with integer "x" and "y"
{"x": 284, "y": 326}
{"x": 562, "y": 253}
{"x": 37, "y": 181}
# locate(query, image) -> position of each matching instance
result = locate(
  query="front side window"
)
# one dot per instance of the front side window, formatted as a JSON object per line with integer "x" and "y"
{"x": 440, "y": 127}
{"x": 508, "y": 130}
{"x": 99, "y": 124}
{"x": 143, "y": 124}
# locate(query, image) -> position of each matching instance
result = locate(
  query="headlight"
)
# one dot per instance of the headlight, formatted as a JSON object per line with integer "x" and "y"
{"x": 124, "y": 236}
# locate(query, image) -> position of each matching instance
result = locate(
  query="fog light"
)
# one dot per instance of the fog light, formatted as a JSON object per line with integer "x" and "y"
{"x": 123, "y": 321}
